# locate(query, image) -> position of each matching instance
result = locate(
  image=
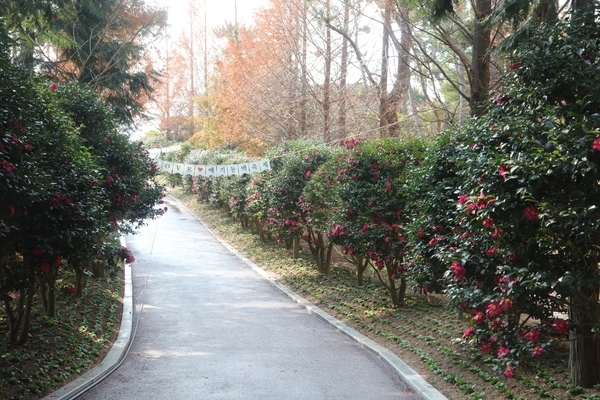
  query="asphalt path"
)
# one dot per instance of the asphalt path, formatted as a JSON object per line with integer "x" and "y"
{"x": 208, "y": 326}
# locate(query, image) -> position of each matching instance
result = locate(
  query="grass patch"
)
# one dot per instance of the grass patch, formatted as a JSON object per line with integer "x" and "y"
{"x": 63, "y": 347}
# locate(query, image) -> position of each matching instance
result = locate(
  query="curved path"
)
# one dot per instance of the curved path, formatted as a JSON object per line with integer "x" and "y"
{"x": 208, "y": 326}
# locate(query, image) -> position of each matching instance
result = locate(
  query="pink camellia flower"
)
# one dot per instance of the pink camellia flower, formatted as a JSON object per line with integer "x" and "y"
{"x": 8, "y": 167}
{"x": 462, "y": 199}
{"x": 496, "y": 325}
{"x": 531, "y": 213}
{"x": 503, "y": 352}
{"x": 509, "y": 372}
{"x": 488, "y": 222}
{"x": 27, "y": 147}
{"x": 53, "y": 87}
{"x": 497, "y": 233}
{"x": 479, "y": 317}
{"x": 596, "y": 144}
{"x": 537, "y": 351}
{"x": 308, "y": 174}
{"x": 560, "y": 325}
{"x": 459, "y": 270}
{"x": 532, "y": 335}
{"x": 503, "y": 170}
{"x": 491, "y": 251}
{"x": 506, "y": 303}
{"x": 468, "y": 332}
{"x": 493, "y": 308}
{"x": 485, "y": 347}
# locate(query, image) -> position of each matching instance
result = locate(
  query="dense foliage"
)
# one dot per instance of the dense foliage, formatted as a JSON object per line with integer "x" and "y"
{"x": 69, "y": 183}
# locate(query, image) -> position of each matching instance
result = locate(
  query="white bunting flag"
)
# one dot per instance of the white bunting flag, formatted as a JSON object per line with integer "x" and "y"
{"x": 244, "y": 169}
{"x": 199, "y": 170}
{"x": 178, "y": 168}
{"x": 265, "y": 165}
{"x": 167, "y": 167}
{"x": 233, "y": 170}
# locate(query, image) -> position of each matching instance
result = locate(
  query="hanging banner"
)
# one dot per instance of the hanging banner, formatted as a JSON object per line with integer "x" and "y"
{"x": 249, "y": 168}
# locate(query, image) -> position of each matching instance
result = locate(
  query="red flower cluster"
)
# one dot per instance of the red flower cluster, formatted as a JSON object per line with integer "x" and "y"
{"x": 459, "y": 270}
{"x": 531, "y": 213}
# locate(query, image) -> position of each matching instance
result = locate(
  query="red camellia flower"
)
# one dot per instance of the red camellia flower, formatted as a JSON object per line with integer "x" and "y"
{"x": 459, "y": 270}
{"x": 496, "y": 325}
{"x": 503, "y": 170}
{"x": 491, "y": 251}
{"x": 506, "y": 303}
{"x": 493, "y": 308}
{"x": 560, "y": 325}
{"x": 462, "y": 199}
{"x": 488, "y": 222}
{"x": 531, "y": 213}
{"x": 514, "y": 66}
{"x": 509, "y": 372}
{"x": 468, "y": 332}
{"x": 72, "y": 290}
{"x": 8, "y": 167}
{"x": 501, "y": 100}
{"x": 503, "y": 352}
{"x": 537, "y": 351}
{"x": 38, "y": 252}
{"x": 497, "y": 233}
{"x": 479, "y": 317}
{"x": 485, "y": 347}
{"x": 596, "y": 144}
{"x": 45, "y": 267}
{"x": 532, "y": 335}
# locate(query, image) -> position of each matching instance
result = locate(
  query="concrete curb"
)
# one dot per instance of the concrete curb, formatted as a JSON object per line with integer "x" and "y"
{"x": 419, "y": 385}
{"x": 115, "y": 356}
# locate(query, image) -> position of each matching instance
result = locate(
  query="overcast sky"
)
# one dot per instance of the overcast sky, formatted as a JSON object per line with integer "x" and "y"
{"x": 218, "y": 11}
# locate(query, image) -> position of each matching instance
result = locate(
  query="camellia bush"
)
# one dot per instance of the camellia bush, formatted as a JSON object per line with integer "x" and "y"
{"x": 59, "y": 205}
{"x": 319, "y": 204}
{"x": 372, "y": 219}
{"x": 293, "y": 166}
{"x": 524, "y": 266}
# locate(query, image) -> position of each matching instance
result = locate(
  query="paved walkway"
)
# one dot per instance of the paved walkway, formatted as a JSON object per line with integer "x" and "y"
{"x": 207, "y": 325}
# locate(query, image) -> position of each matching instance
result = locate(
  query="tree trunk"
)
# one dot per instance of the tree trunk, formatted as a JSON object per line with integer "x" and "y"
{"x": 327, "y": 81}
{"x": 480, "y": 62}
{"x": 26, "y": 321}
{"x": 296, "y": 246}
{"x": 584, "y": 351}
{"x": 383, "y": 80}
{"x": 343, "y": 103}
{"x": 304, "y": 73}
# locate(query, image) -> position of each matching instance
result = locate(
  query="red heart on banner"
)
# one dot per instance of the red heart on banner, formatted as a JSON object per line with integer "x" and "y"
{"x": 200, "y": 169}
